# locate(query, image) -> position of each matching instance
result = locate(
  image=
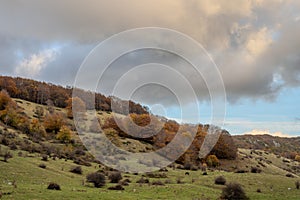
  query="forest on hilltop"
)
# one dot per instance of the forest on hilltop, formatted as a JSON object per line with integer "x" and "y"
{"x": 47, "y": 93}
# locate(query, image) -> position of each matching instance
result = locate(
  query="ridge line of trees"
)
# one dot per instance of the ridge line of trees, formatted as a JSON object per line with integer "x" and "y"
{"x": 48, "y": 93}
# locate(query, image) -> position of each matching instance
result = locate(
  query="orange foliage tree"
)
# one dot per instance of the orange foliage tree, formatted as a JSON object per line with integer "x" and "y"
{"x": 4, "y": 99}
{"x": 53, "y": 122}
{"x": 76, "y": 104}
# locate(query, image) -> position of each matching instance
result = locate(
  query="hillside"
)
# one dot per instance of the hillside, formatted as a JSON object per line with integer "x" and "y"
{"x": 39, "y": 145}
{"x": 287, "y": 147}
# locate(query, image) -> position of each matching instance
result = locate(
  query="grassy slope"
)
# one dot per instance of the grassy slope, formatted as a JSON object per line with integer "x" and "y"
{"x": 32, "y": 182}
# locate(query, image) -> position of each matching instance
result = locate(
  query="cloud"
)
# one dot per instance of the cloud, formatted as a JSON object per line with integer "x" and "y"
{"x": 242, "y": 126}
{"x": 32, "y": 66}
{"x": 254, "y": 43}
{"x": 266, "y": 132}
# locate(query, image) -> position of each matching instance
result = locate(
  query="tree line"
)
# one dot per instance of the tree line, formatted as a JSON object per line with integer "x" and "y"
{"x": 50, "y": 94}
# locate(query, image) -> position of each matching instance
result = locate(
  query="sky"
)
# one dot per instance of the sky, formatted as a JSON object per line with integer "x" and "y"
{"x": 254, "y": 44}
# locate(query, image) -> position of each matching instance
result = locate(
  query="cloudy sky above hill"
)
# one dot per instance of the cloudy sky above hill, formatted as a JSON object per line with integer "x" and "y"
{"x": 254, "y": 43}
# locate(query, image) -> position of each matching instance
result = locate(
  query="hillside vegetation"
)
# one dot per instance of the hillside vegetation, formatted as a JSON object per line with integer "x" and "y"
{"x": 40, "y": 148}
{"x": 286, "y": 147}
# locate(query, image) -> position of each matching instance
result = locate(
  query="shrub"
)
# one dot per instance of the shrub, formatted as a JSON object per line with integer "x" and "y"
{"x": 7, "y": 156}
{"x": 212, "y": 161}
{"x": 194, "y": 168}
{"x": 80, "y": 161}
{"x": 143, "y": 180}
{"x": 13, "y": 146}
{"x": 43, "y": 166}
{"x": 255, "y": 170}
{"x": 97, "y": 178}
{"x": 220, "y": 180}
{"x": 115, "y": 177}
{"x": 117, "y": 187}
{"x": 158, "y": 183}
{"x": 241, "y": 171}
{"x": 156, "y": 175}
{"x": 76, "y": 170}
{"x": 125, "y": 182}
{"x": 53, "y": 186}
{"x": 297, "y": 185}
{"x": 233, "y": 191}
{"x": 258, "y": 190}
{"x": 44, "y": 158}
{"x": 289, "y": 175}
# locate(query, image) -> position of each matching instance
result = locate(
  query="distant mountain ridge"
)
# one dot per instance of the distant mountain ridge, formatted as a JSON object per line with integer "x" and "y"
{"x": 284, "y": 146}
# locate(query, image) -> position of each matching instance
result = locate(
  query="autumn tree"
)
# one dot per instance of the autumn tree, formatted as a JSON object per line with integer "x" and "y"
{"x": 212, "y": 161}
{"x": 64, "y": 134}
{"x": 37, "y": 130}
{"x": 10, "y": 114}
{"x": 77, "y": 105}
{"x": 4, "y": 99}
{"x": 53, "y": 122}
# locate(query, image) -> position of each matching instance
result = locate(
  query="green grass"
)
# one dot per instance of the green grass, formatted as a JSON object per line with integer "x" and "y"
{"x": 32, "y": 182}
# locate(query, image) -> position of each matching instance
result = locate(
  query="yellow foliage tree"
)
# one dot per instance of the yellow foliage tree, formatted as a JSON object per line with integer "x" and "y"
{"x": 37, "y": 129}
{"x": 212, "y": 161}
{"x": 64, "y": 134}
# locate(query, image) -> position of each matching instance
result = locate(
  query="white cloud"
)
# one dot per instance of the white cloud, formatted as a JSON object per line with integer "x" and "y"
{"x": 242, "y": 126}
{"x": 258, "y": 42}
{"x": 32, "y": 66}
